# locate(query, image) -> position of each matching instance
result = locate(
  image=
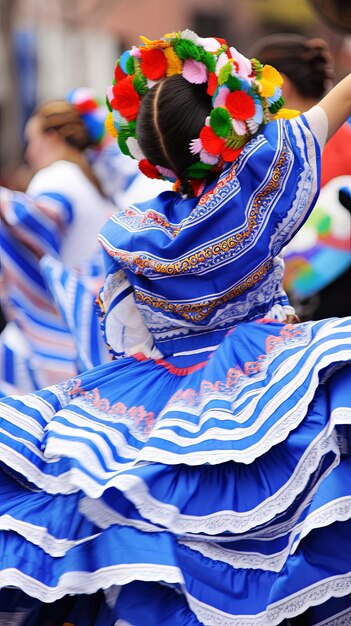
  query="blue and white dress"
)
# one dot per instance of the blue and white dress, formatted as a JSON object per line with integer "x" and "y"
{"x": 61, "y": 214}
{"x": 203, "y": 476}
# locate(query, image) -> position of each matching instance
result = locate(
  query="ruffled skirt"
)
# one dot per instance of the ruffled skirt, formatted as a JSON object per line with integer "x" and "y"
{"x": 214, "y": 493}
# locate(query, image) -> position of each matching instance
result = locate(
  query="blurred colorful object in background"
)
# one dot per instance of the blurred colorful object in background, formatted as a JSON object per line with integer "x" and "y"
{"x": 321, "y": 251}
{"x": 336, "y": 158}
{"x": 91, "y": 109}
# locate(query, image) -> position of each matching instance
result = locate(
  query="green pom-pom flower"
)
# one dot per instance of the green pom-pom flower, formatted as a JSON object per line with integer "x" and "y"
{"x": 130, "y": 66}
{"x": 221, "y": 121}
{"x": 131, "y": 128}
{"x": 198, "y": 170}
{"x": 186, "y": 49}
{"x": 257, "y": 67}
{"x": 122, "y": 141}
{"x": 224, "y": 73}
{"x": 275, "y": 106}
{"x": 233, "y": 83}
{"x": 207, "y": 59}
{"x": 140, "y": 84}
{"x": 108, "y": 104}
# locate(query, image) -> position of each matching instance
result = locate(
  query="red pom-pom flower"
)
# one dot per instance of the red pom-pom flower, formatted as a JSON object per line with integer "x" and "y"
{"x": 153, "y": 63}
{"x": 212, "y": 83}
{"x": 240, "y": 105}
{"x": 229, "y": 154}
{"x": 210, "y": 141}
{"x": 119, "y": 74}
{"x": 148, "y": 169}
{"x": 125, "y": 99}
{"x": 86, "y": 105}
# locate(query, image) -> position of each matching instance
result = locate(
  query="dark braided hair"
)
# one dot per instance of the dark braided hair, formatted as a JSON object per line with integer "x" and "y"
{"x": 172, "y": 114}
{"x": 306, "y": 62}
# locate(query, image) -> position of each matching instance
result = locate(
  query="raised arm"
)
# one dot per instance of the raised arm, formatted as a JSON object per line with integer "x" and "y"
{"x": 337, "y": 105}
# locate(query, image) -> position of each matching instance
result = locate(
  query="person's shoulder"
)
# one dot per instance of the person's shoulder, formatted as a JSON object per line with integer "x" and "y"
{"x": 60, "y": 176}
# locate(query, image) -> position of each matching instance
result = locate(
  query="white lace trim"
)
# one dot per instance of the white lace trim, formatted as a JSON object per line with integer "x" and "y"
{"x": 239, "y": 560}
{"x": 77, "y": 582}
{"x": 275, "y": 435}
{"x": 227, "y": 521}
{"x": 336, "y": 511}
{"x": 98, "y": 512}
{"x": 335, "y": 586}
{"x": 39, "y": 535}
{"x": 273, "y": 531}
{"x": 291, "y": 606}
{"x": 339, "y": 510}
{"x": 210, "y": 616}
{"x": 64, "y": 483}
{"x": 104, "y": 516}
{"x": 168, "y": 515}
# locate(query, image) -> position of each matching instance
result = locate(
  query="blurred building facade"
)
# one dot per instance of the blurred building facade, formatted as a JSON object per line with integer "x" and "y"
{"x": 49, "y": 46}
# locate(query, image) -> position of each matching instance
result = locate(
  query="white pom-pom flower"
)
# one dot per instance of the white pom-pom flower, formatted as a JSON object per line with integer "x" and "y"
{"x": 195, "y": 146}
{"x": 252, "y": 126}
{"x": 221, "y": 62}
{"x": 189, "y": 34}
{"x": 210, "y": 44}
{"x": 207, "y": 158}
{"x": 134, "y": 149}
{"x": 244, "y": 64}
{"x": 239, "y": 127}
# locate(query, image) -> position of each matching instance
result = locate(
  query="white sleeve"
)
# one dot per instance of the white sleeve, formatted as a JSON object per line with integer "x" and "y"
{"x": 124, "y": 330}
{"x": 318, "y": 122}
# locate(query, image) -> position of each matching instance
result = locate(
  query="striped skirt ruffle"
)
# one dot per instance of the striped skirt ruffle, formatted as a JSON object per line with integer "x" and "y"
{"x": 216, "y": 493}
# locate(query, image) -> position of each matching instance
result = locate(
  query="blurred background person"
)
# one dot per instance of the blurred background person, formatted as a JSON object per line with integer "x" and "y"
{"x": 318, "y": 260}
{"x": 60, "y": 215}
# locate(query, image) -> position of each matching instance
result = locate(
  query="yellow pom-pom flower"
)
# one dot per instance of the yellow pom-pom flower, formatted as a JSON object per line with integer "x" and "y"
{"x": 266, "y": 88}
{"x": 110, "y": 126}
{"x": 287, "y": 114}
{"x": 271, "y": 79}
{"x": 153, "y": 43}
{"x": 272, "y": 75}
{"x": 174, "y": 64}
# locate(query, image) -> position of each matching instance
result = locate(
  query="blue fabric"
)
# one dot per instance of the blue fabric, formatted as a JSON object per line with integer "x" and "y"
{"x": 208, "y": 485}
{"x": 256, "y": 508}
{"x": 200, "y": 266}
{"x": 75, "y": 300}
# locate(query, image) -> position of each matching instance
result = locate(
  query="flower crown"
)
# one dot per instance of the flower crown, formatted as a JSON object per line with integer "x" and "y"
{"x": 244, "y": 95}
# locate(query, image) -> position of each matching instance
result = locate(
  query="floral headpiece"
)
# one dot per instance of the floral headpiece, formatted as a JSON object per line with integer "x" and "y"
{"x": 244, "y": 95}
{"x": 91, "y": 112}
